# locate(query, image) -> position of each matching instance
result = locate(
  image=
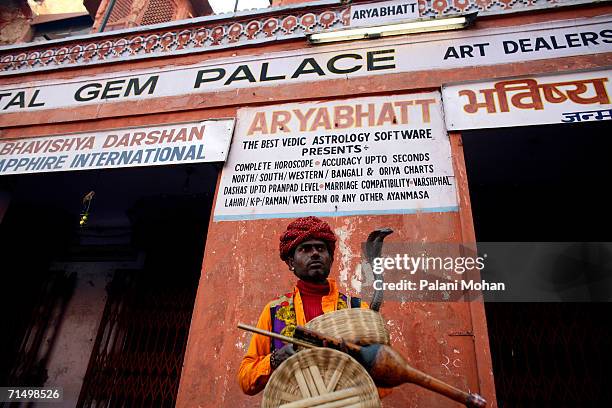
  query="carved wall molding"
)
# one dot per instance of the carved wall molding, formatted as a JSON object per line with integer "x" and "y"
{"x": 195, "y": 38}
{"x": 185, "y": 37}
{"x": 448, "y": 7}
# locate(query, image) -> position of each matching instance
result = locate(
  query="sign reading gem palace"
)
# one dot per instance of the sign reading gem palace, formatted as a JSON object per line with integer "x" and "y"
{"x": 398, "y": 55}
{"x": 380, "y": 155}
{"x": 566, "y": 98}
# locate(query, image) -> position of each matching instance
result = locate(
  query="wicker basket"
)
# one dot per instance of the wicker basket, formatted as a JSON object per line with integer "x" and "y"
{"x": 362, "y": 326}
{"x": 322, "y": 378}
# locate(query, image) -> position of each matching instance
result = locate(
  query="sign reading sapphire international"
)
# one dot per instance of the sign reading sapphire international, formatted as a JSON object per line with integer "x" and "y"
{"x": 379, "y": 155}
{"x": 196, "y": 142}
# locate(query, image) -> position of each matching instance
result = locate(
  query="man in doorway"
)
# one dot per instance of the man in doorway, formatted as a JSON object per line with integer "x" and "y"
{"x": 307, "y": 246}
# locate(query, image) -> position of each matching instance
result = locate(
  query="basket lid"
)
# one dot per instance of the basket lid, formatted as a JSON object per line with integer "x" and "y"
{"x": 320, "y": 377}
{"x": 362, "y": 326}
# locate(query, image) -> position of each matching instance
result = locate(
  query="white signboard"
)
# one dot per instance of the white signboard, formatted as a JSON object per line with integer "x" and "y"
{"x": 358, "y": 59}
{"x": 382, "y": 155}
{"x": 196, "y": 142}
{"x": 383, "y": 12}
{"x": 566, "y": 98}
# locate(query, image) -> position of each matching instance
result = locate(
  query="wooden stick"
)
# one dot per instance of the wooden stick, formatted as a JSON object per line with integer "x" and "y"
{"x": 341, "y": 403}
{"x": 358, "y": 405}
{"x": 310, "y": 382}
{"x": 299, "y": 377}
{"x": 336, "y": 376}
{"x": 318, "y": 380}
{"x": 288, "y": 397}
{"x": 266, "y": 333}
{"x": 385, "y": 365}
{"x": 321, "y": 399}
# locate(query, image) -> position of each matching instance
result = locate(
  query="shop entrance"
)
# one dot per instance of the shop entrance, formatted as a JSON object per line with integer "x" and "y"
{"x": 544, "y": 183}
{"x": 103, "y": 310}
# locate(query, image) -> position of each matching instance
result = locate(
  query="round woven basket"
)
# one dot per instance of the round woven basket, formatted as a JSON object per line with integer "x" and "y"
{"x": 323, "y": 378}
{"x": 362, "y": 326}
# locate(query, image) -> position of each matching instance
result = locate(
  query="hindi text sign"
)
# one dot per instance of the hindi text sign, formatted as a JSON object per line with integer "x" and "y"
{"x": 565, "y": 98}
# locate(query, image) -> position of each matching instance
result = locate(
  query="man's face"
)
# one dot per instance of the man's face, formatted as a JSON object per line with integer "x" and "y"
{"x": 311, "y": 261}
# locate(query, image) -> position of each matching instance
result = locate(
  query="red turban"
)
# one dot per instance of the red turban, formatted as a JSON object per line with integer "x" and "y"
{"x": 304, "y": 229}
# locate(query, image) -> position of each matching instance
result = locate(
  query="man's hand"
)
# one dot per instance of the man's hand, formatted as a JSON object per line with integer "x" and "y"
{"x": 280, "y": 355}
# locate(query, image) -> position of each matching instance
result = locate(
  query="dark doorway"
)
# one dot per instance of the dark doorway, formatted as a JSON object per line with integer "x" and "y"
{"x": 133, "y": 268}
{"x": 545, "y": 183}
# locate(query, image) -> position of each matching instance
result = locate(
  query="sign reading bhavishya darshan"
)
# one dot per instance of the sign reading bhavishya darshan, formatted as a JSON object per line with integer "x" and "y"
{"x": 179, "y": 143}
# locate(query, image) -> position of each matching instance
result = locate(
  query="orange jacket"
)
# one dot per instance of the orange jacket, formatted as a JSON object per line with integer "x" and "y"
{"x": 255, "y": 369}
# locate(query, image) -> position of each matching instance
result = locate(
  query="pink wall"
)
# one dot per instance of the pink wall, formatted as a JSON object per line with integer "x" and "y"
{"x": 242, "y": 272}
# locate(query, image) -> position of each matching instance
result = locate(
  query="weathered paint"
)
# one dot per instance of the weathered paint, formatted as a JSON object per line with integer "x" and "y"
{"x": 241, "y": 269}
{"x": 294, "y": 92}
{"x": 14, "y": 22}
{"x": 484, "y": 365}
{"x": 332, "y": 88}
{"x": 77, "y": 333}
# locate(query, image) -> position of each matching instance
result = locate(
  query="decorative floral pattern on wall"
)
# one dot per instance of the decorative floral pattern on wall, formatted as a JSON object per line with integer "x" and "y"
{"x": 196, "y": 38}
{"x": 435, "y": 8}
{"x": 210, "y": 35}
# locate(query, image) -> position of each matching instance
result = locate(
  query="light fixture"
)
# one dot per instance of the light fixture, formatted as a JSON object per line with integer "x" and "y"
{"x": 412, "y": 27}
{"x": 87, "y": 199}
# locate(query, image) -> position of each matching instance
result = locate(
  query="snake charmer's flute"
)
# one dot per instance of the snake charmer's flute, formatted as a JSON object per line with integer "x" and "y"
{"x": 385, "y": 365}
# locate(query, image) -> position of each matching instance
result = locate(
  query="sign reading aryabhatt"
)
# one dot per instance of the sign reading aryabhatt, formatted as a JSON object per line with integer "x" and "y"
{"x": 378, "y": 155}
{"x": 565, "y": 98}
{"x": 384, "y": 12}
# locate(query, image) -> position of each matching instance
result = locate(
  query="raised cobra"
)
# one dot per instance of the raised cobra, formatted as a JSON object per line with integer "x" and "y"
{"x": 373, "y": 249}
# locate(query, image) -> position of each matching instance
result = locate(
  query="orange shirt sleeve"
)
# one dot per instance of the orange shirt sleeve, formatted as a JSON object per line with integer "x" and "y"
{"x": 255, "y": 368}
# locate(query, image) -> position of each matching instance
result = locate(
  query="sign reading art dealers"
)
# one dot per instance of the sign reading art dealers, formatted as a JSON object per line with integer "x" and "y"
{"x": 383, "y": 155}
{"x": 197, "y": 142}
{"x": 359, "y": 59}
{"x": 383, "y": 12}
{"x": 566, "y": 98}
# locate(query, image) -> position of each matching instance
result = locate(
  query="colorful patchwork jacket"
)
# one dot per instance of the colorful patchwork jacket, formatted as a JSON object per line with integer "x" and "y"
{"x": 281, "y": 316}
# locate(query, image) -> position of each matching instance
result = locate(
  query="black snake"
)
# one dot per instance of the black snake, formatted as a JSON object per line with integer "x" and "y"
{"x": 373, "y": 249}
